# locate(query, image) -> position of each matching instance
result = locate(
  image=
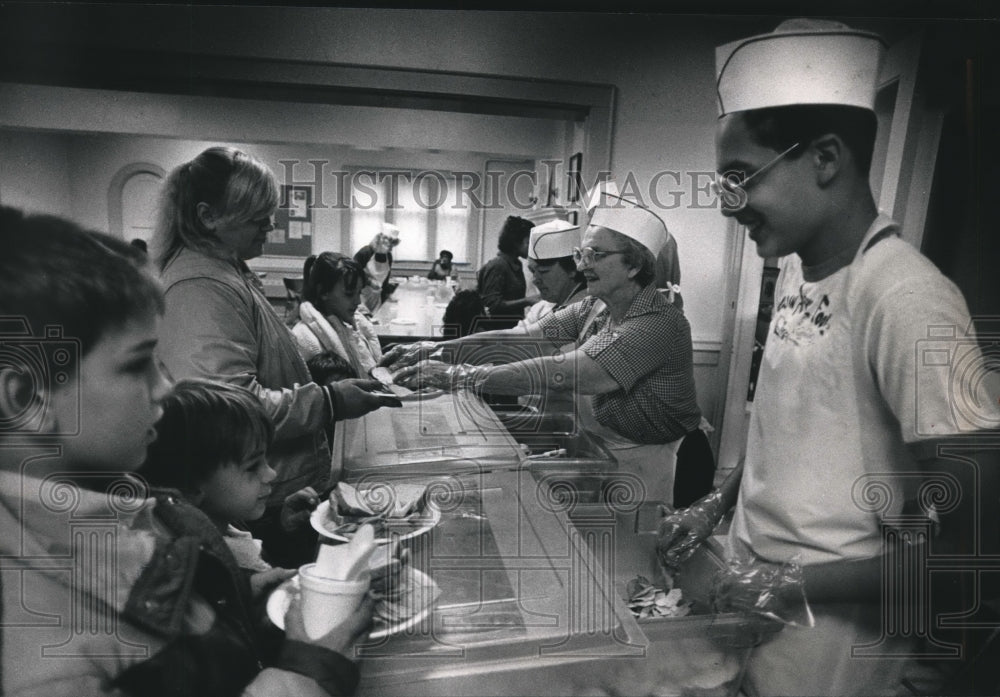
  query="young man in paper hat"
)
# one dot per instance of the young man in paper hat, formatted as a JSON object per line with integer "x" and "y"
{"x": 850, "y": 417}
{"x": 625, "y": 352}
{"x": 553, "y": 271}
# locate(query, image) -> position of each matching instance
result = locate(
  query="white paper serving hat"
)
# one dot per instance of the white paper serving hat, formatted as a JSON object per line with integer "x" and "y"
{"x": 803, "y": 61}
{"x": 609, "y": 209}
{"x": 553, "y": 240}
{"x": 390, "y": 230}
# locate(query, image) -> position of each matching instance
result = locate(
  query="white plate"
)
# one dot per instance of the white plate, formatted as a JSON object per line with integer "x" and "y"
{"x": 281, "y": 598}
{"x": 403, "y": 321}
{"x": 320, "y": 516}
{"x": 430, "y": 393}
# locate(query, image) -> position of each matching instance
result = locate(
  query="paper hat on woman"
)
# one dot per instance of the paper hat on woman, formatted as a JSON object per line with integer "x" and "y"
{"x": 553, "y": 240}
{"x": 803, "y": 61}
{"x": 609, "y": 209}
{"x": 390, "y": 230}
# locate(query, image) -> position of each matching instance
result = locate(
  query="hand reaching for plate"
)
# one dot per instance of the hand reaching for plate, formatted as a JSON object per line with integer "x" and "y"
{"x": 356, "y": 397}
{"x": 405, "y": 355}
{"x": 426, "y": 374}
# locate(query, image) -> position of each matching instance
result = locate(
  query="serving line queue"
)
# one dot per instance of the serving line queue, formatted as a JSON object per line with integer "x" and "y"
{"x": 528, "y": 584}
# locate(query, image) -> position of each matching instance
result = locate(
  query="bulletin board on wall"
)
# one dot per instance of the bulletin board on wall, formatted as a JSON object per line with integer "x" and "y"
{"x": 293, "y": 225}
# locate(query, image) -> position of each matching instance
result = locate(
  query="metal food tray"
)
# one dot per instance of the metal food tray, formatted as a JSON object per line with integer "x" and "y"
{"x": 539, "y": 434}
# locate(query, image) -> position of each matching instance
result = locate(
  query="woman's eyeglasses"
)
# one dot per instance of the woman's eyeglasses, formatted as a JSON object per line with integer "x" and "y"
{"x": 264, "y": 224}
{"x": 588, "y": 256}
{"x": 732, "y": 189}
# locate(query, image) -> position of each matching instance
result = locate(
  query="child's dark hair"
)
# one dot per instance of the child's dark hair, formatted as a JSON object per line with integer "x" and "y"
{"x": 513, "y": 233}
{"x": 779, "y": 128}
{"x": 327, "y": 270}
{"x": 328, "y": 366}
{"x": 53, "y": 273}
{"x": 462, "y": 313}
{"x": 205, "y": 425}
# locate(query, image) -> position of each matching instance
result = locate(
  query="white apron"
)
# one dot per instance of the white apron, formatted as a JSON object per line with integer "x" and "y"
{"x": 653, "y": 464}
{"x": 377, "y": 272}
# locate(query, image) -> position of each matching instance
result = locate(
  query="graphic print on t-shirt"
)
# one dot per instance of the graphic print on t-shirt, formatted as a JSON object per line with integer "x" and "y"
{"x": 801, "y": 319}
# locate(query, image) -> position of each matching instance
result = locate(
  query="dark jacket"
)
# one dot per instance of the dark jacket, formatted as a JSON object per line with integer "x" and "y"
{"x": 140, "y": 597}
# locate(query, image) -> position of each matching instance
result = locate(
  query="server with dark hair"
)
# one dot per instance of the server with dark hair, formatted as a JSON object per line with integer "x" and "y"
{"x": 502, "y": 285}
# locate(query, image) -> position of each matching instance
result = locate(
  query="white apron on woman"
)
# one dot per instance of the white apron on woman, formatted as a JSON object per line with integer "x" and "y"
{"x": 654, "y": 464}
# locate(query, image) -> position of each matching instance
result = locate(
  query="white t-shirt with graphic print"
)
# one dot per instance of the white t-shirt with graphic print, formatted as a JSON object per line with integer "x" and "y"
{"x": 856, "y": 366}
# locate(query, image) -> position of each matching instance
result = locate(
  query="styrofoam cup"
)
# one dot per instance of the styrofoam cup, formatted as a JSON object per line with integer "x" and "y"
{"x": 327, "y": 602}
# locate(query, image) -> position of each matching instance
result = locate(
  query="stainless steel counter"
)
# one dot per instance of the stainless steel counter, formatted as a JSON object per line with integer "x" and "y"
{"x": 532, "y": 585}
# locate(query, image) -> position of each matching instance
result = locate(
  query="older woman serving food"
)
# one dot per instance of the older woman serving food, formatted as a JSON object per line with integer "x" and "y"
{"x": 624, "y": 352}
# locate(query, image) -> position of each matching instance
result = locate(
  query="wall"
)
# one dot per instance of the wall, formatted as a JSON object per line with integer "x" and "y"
{"x": 661, "y": 66}
{"x": 35, "y": 174}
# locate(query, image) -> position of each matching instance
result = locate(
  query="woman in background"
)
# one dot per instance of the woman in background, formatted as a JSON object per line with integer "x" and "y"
{"x": 376, "y": 259}
{"x": 501, "y": 280}
{"x": 441, "y": 269}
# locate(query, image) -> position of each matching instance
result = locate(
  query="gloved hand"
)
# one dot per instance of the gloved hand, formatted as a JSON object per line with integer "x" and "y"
{"x": 405, "y": 355}
{"x": 682, "y": 531}
{"x": 356, "y": 397}
{"x": 436, "y": 374}
{"x": 772, "y": 590}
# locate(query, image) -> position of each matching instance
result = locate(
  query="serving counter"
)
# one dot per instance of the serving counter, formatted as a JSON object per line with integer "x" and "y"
{"x": 532, "y": 580}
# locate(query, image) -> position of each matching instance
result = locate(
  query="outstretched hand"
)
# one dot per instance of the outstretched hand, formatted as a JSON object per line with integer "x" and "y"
{"x": 405, "y": 355}
{"x": 356, "y": 397}
{"x": 426, "y": 374}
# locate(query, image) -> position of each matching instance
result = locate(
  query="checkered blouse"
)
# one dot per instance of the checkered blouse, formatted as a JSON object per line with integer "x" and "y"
{"x": 649, "y": 355}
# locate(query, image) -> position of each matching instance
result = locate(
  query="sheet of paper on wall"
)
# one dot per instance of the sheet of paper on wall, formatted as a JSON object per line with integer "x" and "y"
{"x": 307, "y": 229}
{"x": 276, "y": 236}
{"x": 294, "y": 230}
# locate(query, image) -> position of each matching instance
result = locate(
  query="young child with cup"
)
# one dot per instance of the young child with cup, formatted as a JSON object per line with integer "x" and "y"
{"x": 211, "y": 446}
{"x": 149, "y": 598}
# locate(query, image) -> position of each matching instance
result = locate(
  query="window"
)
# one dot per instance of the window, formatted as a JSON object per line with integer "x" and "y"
{"x": 427, "y": 206}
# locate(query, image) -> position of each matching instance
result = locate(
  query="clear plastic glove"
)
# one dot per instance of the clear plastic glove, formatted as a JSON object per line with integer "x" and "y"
{"x": 356, "y": 397}
{"x": 339, "y": 639}
{"x": 773, "y": 590}
{"x": 681, "y": 532}
{"x": 443, "y": 376}
{"x": 405, "y": 355}
{"x": 297, "y": 508}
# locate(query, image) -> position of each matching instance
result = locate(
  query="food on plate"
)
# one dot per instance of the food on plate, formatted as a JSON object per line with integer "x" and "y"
{"x": 646, "y": 600}
{"x": 407, "y": 597}
{"x": 383, "y": 375}
{"x": 347, "y": 562}
{"x": 381, "y": 505}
